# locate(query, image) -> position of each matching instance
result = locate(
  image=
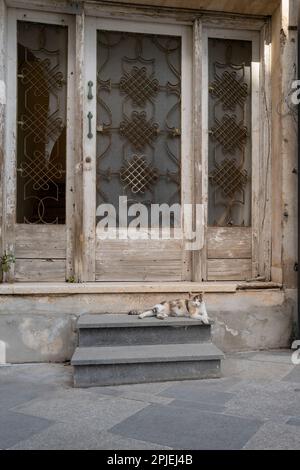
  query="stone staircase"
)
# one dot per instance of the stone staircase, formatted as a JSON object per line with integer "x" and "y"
{"x": 119, "y": 349}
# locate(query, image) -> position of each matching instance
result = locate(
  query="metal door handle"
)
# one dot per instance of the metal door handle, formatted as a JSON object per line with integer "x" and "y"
{"x": 90, "y": 94}
{"x": 89, "y": 116}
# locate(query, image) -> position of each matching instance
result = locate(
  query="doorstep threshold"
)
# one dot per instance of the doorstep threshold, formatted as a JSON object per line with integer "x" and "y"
{"x": 45, "y": 288}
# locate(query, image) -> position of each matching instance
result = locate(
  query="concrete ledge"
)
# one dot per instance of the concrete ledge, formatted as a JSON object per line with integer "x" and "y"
{"x": 46, "y": 288}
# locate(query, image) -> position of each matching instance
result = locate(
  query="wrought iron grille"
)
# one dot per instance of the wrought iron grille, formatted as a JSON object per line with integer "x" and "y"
{"x": 229, "y": 124}
{"x": 138, "y": 118}
{"x": 41, "y": 143}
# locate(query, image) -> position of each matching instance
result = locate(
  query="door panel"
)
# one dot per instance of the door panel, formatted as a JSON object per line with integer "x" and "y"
{"x": 37, "y": 167}
{"x": 141, "y": 130}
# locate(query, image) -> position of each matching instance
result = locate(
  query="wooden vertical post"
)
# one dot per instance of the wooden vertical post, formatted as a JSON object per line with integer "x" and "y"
{"x": 3, "y": 20}
{"x": 9, "y": 166}
{"x": 78, "y": 165}
{"x": 199, "y": 256}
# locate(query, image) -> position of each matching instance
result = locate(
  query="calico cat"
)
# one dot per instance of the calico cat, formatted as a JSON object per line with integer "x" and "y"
{"x": 193, "y": 308}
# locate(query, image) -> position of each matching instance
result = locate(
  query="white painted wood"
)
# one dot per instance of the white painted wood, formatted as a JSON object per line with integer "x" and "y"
{"x": 181, "y": 267}
{"x": 71, "y": 151}
{"x": 229, "y": 242}
{"x": 9, "y": 181}
{"x": 265, "y": 191}
{"x": 3, "y": 98}
{"x": 139, "y": 260}
{"x": 89, "y": 153}
{"x": 197, "y": 255}
{"x": 79, "y": 142}
{"x": 185, "y": 13}
{"x": 43, "y": 270}
{"x": 40, "y": 241}
{"x": 230, "y": 268}
{"x": 11, "y": 228}
{"x": 204, "y": 140}
{"x": 256, "y": 153}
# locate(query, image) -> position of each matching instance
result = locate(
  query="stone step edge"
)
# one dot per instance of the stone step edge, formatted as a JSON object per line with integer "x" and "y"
{"x": 123, "y": 320}
{"x": 140, "y": 354}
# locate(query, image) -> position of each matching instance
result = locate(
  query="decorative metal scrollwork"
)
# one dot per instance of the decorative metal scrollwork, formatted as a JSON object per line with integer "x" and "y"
{"x": 138, "y": 130}
{"x": 138, "y": 175}
{"x": 139, "y": 121}
{"x": 139, "y": 86}
{"x": 229, "y": 134}
{"x": 40, "y": 75}
{"x": 228, "y": 177}
{"x": 41, "y": 144}
{"x": 40, "y": 172}
{"x": 229, "y": 90}
{"x": 41, "y": 126}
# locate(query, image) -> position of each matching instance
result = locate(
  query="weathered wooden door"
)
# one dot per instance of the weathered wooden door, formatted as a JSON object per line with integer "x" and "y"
{"x": 137, "y": 150}
{"x": 39, "y": 145}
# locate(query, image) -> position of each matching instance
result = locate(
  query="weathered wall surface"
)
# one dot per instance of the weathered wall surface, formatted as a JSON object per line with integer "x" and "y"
{"x": 254, "y": 7}
{"x": 43, "y": 328}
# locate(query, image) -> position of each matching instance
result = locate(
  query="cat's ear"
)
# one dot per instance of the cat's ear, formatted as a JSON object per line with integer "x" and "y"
{"x": 201, "y": 296}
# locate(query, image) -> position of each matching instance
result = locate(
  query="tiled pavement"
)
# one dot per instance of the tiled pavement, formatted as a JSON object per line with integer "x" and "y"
{"x": 256, "y": 405}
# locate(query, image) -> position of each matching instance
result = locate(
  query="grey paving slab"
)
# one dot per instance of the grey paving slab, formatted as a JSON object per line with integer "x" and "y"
{"x": 14, "y": 393}
{"x": 197, "y": 393}
{"x": 147, "y": 397}
{"x": 153, "y": 388}
{"x": 294, "y": 421}
{"x": 275, "y": 436}
{"x": 15, "y": 427}
{"x": 271, "y": 401}
{"x": 199, "y": 406}
{"x": 276, "y": 357}
{"x": 293, "y": 375}
{"x": 223, "y": 384}
{"x": 244, "y": 368}
{"x": 46, "y": 374}
{"x": 99, "y": 412}
{"x": 184, "y": 428}
{"x": 134, "y": 393}
{"x": 65, "y": 436}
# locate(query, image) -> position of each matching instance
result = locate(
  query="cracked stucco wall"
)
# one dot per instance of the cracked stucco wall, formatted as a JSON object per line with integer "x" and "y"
{"x": 43, "y": 328}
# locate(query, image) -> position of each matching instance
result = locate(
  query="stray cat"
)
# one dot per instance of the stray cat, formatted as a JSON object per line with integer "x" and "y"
{"x": 193, "y": 308}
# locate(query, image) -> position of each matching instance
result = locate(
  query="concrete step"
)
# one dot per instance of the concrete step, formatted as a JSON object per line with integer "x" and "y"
{"x": 97, "y": 366}
{"x": 123, "y": 330}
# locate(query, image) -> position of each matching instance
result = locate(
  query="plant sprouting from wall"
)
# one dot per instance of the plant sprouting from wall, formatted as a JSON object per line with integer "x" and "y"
{"x": 7, "y": 259}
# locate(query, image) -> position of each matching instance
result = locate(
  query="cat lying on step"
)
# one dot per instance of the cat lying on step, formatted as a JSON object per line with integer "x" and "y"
{"x": 193, "y": 308}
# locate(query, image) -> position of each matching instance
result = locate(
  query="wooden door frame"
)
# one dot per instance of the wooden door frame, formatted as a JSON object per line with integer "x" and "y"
{"x": 93, "y": 24}
{"x": 10, "y": 161}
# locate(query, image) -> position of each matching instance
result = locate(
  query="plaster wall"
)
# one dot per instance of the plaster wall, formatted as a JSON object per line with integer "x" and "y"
{"x": 43, "y": 328}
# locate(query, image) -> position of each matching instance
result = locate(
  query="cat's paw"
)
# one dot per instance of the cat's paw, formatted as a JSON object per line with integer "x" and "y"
{"x": 161, "y": 316}
{"x": 133, "y": 312}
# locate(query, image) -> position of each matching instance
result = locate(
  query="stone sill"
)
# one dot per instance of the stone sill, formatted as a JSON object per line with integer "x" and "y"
{"x": 45, "y": 288}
